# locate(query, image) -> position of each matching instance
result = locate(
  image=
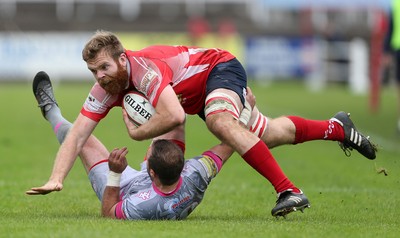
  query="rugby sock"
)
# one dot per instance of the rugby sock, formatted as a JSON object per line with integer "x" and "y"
{"x": 61, "y": 130}
{"x": 268, "y": 167}
{"x": 58, "y": 123}
{"x": 307, "y": 130}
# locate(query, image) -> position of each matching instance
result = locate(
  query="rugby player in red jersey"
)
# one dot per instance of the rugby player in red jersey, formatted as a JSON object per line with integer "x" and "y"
{"x": 211, "y": 83}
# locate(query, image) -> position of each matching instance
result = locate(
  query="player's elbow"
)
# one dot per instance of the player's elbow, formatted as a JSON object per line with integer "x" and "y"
{"x": 105, "y": 213}
{"x": 108, "y": 214}
{"x": 171, "y": 116}
{"x": 108, "y": 210}
{"x": 171, "y": 121}
{"x": 178, "y": 118}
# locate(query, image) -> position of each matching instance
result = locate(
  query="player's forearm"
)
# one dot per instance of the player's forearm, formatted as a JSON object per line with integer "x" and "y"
{"x": 223, "y": 151}
{"x": 169, "y": 115}
{"x": 109, "y": 202}
{"x": 71, "y": 147}
{"x": 156, "y": 126}
{"x": 64, "y": 161}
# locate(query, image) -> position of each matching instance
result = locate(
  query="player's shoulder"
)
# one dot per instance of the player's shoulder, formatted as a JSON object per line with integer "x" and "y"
{"x": 157, "y": 51}
{"x": 98, "y": 95}
{"x": 99, "y": 102}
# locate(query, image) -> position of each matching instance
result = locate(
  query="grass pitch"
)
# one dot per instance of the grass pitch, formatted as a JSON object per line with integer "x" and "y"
{"x": 349, "y": 197}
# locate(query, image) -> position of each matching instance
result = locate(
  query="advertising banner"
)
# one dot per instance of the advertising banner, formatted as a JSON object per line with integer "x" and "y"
{"x": 279, "y": 57}
{"x": 23, "y": 54}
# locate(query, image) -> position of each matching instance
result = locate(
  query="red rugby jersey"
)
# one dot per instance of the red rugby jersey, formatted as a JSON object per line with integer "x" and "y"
{"x": 186, "y": 69}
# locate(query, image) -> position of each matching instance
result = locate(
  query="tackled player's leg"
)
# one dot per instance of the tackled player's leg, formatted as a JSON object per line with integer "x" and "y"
{"x": 93, "y": 151}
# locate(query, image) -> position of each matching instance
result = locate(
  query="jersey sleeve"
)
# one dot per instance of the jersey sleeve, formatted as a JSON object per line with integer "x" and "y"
{"x": 207, "y": 165}
{"x": 119, "y": 213}
{"x": 99, "y": 103}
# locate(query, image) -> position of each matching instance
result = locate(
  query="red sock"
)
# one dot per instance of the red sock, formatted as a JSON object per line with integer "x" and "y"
{"x": 268, "y": 167}
{"x": 307, "y": 130}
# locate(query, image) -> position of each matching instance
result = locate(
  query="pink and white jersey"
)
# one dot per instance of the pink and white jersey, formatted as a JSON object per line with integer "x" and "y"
{"x": 140, "y": 199}
{"x": 186, "y": 69}
{"x": 143, "y": 201}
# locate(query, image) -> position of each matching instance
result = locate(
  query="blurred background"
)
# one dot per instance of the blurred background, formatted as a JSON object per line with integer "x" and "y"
{"x": 316, "y": 41}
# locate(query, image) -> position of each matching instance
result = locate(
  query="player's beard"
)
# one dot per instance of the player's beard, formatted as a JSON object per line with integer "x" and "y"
{"x": 118, "y": 82}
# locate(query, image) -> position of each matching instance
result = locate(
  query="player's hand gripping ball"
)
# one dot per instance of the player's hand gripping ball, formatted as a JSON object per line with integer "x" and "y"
{"x": 138, "y": 108}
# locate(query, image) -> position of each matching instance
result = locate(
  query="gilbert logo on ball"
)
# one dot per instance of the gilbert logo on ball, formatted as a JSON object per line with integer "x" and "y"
{"x": 138, "y": 108}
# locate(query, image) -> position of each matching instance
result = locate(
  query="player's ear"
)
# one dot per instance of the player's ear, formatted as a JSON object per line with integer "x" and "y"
{"x": 122, "y": 58}
{"x": 152, "y": 174}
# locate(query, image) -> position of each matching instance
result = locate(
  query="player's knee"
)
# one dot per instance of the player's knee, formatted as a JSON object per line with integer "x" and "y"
{"x": 221, "y": 124}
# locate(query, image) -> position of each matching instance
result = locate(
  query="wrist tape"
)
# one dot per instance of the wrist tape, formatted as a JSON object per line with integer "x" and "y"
{"x": 246, "y": 113}
{"x": 114, "y": 179}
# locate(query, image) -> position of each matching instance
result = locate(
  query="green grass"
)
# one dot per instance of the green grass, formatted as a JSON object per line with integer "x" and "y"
{"x": 348, "y": 197}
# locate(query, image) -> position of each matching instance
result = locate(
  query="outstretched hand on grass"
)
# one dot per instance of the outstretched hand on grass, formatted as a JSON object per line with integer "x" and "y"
{"x": 49, "y": 187}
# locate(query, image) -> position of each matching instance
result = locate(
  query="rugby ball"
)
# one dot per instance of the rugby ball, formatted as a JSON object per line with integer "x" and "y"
{"x": 138, "y": 107}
